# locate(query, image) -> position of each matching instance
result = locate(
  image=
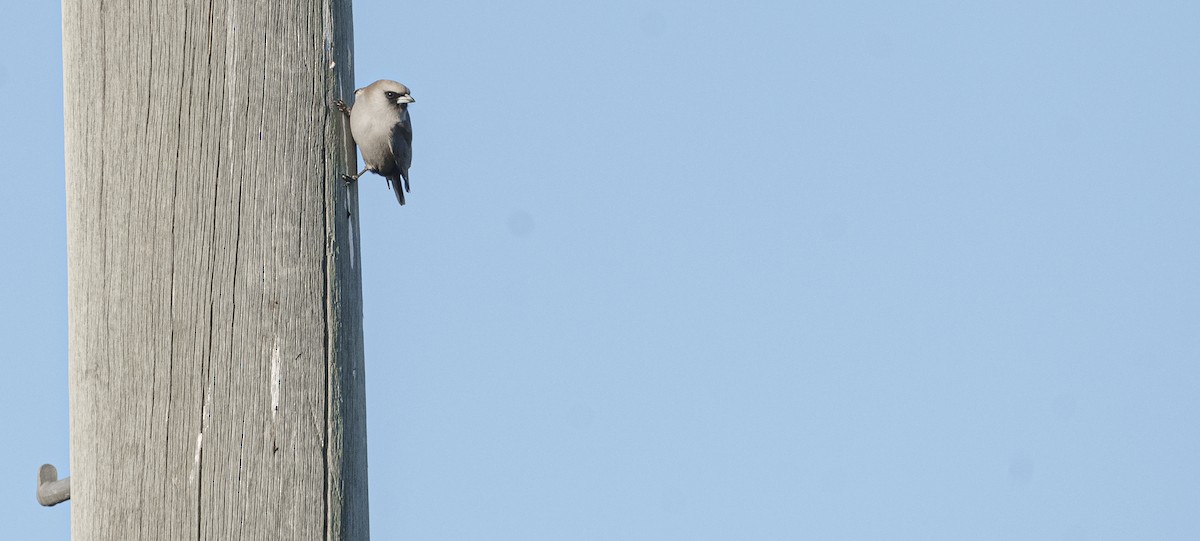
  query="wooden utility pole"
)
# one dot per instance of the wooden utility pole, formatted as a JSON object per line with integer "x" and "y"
{"x": 216, "y": 360}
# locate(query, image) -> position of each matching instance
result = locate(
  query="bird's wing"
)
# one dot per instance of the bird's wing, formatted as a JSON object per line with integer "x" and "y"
{"x": 402, "y": 147}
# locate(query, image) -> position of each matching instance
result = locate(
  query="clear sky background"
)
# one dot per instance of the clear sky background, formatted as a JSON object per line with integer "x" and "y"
{"x": 746, "y": 270}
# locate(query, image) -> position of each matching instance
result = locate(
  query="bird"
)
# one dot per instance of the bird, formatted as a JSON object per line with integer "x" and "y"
{"x": 381, "y": 128}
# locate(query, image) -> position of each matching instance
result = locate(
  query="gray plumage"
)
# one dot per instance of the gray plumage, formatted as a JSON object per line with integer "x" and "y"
{"x": 382, "y": 130}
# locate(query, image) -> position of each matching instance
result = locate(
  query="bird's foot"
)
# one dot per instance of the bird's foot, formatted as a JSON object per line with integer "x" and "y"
{"x": 341, "y": 105}
{"x": 349, "y": 178}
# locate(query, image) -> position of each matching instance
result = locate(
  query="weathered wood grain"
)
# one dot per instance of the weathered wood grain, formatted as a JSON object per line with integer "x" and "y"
{"x": 217, "y": 382}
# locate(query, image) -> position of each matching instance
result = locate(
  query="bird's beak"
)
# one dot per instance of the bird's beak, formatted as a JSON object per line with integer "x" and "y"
{"x": 405, "y": 99}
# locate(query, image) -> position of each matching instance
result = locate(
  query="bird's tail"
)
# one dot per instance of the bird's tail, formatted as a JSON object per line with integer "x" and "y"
{"x": 395, "y": 186}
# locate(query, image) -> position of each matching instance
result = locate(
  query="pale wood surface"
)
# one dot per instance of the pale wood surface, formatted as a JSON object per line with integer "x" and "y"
{"x": 215, "y": 302}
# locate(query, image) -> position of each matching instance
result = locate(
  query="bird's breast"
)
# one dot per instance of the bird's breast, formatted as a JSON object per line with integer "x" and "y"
{"x": 373, "y": 138}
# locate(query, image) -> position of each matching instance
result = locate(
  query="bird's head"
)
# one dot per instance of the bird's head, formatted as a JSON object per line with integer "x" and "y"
{"x": 383, "y": 90}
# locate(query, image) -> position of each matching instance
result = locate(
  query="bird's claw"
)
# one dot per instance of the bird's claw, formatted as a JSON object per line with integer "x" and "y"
{"x": 341, "y": 105}
{"x": 349, "y": 178}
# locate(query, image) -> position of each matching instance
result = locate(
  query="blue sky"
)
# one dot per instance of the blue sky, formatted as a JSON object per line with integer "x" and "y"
{"x": 756, "y": 270}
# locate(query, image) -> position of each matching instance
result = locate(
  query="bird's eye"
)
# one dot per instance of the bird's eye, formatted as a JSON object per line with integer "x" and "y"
{"x": 391, "y": 95}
